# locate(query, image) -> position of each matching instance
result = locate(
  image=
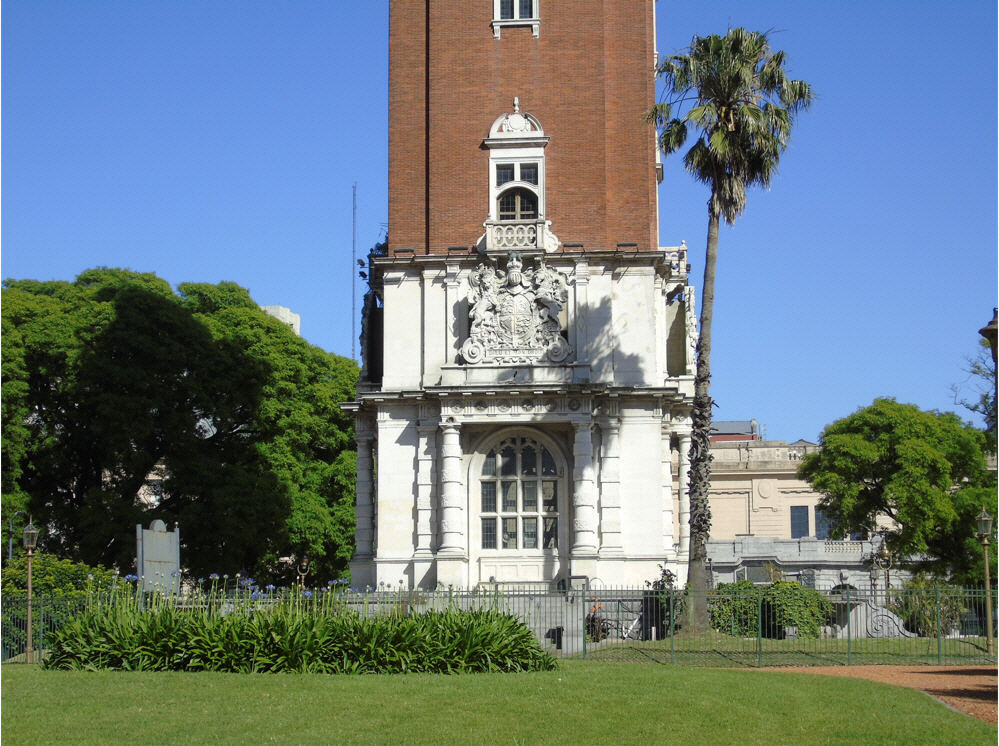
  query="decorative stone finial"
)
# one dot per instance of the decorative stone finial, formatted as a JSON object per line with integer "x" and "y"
{"x": 516, "y": 105}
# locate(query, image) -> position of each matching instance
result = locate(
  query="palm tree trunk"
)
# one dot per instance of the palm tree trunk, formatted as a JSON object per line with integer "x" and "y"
{"x": 700, "y": 454}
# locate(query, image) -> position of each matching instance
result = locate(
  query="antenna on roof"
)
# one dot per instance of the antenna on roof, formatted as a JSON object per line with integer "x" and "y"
{"x": 353, "y": 283}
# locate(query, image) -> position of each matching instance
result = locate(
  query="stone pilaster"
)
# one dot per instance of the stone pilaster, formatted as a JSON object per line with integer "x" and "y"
{"x": 684, "y": 482}
{"x": 610, "y": 487}
{"x": 362, "y": 565}
{"x": 584, "y": 503}
{"x": 426, "y": 450}
{"x": 666, "y": 492}
{"x": 364, "y": 497}
{"x": 454, "y": 333}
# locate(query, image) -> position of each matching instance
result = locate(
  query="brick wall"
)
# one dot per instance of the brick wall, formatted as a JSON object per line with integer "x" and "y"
{"x": 588, "y": 79}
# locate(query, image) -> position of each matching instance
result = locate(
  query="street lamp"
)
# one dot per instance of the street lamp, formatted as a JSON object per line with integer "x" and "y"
{"x": 984, "y": 532}
{"x": 303, "y": 570}
{"x": 883, "y": 560}
{"x": 989, "y": 332}
{"x": 30, "y": 538}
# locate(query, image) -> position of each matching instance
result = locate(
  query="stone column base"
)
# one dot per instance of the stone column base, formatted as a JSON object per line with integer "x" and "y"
{"x": 362, "y": 573}
{"x": 585, "y": 565}
{"x": 452, "y": 571}
{"x": 424, "y": 571}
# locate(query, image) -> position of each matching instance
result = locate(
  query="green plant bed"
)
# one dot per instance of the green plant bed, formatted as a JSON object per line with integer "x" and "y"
{"x": 292, "y": 635}
{"x": 581, "y": 703}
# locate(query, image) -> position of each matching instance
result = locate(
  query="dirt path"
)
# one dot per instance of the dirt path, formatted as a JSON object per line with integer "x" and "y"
{"x": 970, "y": 689}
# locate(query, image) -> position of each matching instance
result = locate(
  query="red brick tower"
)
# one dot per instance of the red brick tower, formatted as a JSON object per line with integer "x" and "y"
{"x": 528, "y": 345}
{"x": 584, "y": 70}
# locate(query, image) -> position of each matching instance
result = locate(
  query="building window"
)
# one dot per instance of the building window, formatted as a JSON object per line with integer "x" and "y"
{"x": 518, "y": 488}
{"x": 516, "y": 13}
{"x": 799, "y": 521}
{"x": 823, "y": 524}
{"x": 505, "y": 173}
{"x": 517, "y": 204}
{"x": 525, "y": 172}
{"x": 516, "y": 145}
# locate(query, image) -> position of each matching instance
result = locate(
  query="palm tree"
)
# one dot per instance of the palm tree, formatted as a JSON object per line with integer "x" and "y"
{"x": 733, "y": 91}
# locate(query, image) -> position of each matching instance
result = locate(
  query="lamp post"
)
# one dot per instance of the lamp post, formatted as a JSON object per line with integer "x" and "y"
{"x": 303, "y": 570}
{"x": 883, "y": 560}
{"x": 990, "y": 331}
{"x": 30, "y": 538}
{"x": 984, "y": 532}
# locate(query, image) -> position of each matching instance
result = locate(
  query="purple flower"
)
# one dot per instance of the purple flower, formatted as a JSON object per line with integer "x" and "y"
{"x": 214, "y": 576}
{"x": 131, "y": 577}
{"x": 255, "y": 595}
{"x": 201, "y": 580}
{"x": 307, "y": 594}
{"x": 332, "y": 583}
{"x": 269, "y": 587}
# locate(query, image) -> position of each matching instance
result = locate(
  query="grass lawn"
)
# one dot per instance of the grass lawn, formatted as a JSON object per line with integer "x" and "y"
{"x": 582, "y": 703}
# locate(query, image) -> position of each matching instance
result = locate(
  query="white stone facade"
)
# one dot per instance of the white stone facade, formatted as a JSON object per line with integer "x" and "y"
{"x": 526, "y": 419}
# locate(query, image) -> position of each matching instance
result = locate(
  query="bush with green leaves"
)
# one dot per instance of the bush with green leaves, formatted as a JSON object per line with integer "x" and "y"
{"x": 740, "y": 608}
{"x": 664, "y": 606}
{"x": 59, "y": 588}
{"x": 53, "y": 576}
{"x": 927, "y": 608}
{"x": 293, "y": 632}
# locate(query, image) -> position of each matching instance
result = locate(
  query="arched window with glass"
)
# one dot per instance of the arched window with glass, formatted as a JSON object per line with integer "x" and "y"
{"x": 517, "y": 204}
{"x": 519, "y": 485}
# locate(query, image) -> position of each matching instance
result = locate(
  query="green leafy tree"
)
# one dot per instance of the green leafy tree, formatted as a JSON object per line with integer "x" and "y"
{"x": 982, "y": 382}
{"x": 733, "y": 91}
{"x": 924, "y": 471}
{"x": 117, "y": 375}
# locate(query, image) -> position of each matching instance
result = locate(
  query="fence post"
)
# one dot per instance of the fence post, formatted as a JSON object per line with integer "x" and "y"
{"x": 583, "y": 601}
{"x": 41, "y": 629}
{"x": 939, "y": 631}
{"x": 672, "y": 630}
{"x": 759, "y": 627}
{"x": 849, "y": 641}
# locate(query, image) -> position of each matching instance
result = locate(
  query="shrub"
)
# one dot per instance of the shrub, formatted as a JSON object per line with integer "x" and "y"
{"x": 59, "y": 588}
{"x": 734, "y": 608}
{"x": 292, "y": 633}
{"x": 663, "y": 604}
{"x": 917, "y": 603}
{"x": 792, "y": 604}
{"x": 53, "y": 576}
{"x": 738, "y": 609}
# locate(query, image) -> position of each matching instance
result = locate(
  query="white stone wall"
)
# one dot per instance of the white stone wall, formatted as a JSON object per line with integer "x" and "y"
{"x": 609, "y": 410}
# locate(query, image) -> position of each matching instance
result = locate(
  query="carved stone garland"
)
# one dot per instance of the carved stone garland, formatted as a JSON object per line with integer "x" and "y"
{"x": 515, "y": 314}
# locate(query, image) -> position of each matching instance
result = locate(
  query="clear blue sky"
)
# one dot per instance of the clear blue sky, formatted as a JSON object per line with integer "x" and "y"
{"x": 211, "y": 140}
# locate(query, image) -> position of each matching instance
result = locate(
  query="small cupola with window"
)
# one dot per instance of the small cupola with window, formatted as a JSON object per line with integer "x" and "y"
{"x": 516, "y": 221}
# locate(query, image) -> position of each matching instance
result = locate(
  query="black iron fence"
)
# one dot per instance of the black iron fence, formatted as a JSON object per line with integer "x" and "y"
{"x": 776, "y": 624}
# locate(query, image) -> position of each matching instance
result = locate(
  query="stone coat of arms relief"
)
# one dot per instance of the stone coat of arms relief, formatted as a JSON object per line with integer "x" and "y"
{"x": 515, "y": 314}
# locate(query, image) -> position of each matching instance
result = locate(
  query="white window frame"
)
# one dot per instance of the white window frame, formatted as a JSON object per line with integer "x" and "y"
{"x": 509, "y": 158}
{"x": 516, "y": 139}
{"x": 476, "y": 478}
{"x": 534, "y": 21}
